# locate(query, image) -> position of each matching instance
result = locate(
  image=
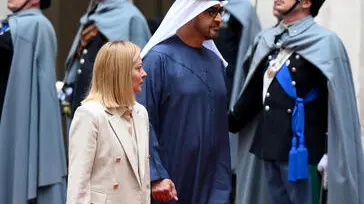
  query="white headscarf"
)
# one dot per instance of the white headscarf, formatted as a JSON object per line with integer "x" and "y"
{"x": 180, "y": 13}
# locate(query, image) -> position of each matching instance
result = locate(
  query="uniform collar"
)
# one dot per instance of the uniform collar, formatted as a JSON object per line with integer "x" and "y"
{"x": 31, "y": 11}
{"x": 297, "y": 27}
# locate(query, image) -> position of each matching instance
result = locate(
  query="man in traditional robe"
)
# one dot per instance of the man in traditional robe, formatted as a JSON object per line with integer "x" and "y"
{"x": 186, "y": 98}
{"x": 105, "y": 20}
{"x": 32, "y": 156}
{"x": 299, "y": 103}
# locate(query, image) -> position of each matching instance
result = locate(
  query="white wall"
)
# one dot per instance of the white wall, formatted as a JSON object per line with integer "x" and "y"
{"x": 3, "y": 9}
{"x": 345, "y": 18}
{"x": 360, "y": 73}
{"x": 265, "y": 8}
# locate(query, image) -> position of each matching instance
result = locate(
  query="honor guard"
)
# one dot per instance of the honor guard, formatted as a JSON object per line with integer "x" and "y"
{"x": 104, "y": 20}
{"x": 295, "y": 102}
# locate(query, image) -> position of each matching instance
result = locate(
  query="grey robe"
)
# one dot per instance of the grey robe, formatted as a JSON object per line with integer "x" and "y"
{"x": 32, "y": 156}
{"x": 325, "y": 50}
{"x": 244, "y": 12}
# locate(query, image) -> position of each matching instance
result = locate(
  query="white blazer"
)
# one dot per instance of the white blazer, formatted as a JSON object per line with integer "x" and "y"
{"x": 102, "y": 163}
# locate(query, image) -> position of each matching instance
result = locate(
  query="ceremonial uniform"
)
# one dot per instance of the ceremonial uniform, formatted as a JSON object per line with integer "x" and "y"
{"x": 274, "y": 135}
{"x": 6, "y": 53}
{"x": 298, "y": 102}
{"x": 32, "y": 160}
{"x": 104, "y": 21}
{"x": 84, "y": 71}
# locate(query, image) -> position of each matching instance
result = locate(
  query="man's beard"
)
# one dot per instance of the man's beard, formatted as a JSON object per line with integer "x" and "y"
{"x": 212, "y": 36}
{"x": 208, "y": 33}
{"x": 213, "y": 33}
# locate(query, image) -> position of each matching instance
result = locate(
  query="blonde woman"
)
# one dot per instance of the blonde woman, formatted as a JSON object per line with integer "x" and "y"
{"x": 108, "y": 152}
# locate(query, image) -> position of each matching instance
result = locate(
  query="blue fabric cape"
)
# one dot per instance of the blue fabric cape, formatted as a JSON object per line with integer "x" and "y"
{"x": 32, "y": 156}
{"x": 326, "y": 51}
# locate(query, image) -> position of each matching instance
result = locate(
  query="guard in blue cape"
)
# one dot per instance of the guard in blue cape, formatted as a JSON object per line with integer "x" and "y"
{"x": 240, "y": 27}
{"x": 32, "y": 156}
{"x": 299, "y": 103}
{"x": 186, "y": 99}
{"x": 104, "y": 20}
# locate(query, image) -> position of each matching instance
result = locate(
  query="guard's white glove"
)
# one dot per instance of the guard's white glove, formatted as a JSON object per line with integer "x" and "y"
{"x": 59, "y": 86}
{"x": 63, "y": 93}
{"x": 322, "y": 168}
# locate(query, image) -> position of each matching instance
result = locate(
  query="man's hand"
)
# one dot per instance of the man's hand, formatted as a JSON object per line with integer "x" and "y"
{"x": 164, "y": 190}
{"x": 87, "y": 35}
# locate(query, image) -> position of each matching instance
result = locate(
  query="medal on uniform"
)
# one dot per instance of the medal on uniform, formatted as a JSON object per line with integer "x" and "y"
{"x": 271, "y": 72}
{"x": 271, "y": 69}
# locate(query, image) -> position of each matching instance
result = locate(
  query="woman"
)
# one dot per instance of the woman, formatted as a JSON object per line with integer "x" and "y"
{"x": 108, "y": 152}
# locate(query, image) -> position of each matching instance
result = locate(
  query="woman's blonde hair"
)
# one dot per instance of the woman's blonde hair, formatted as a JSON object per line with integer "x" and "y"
{"x": 112, "y": 74}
